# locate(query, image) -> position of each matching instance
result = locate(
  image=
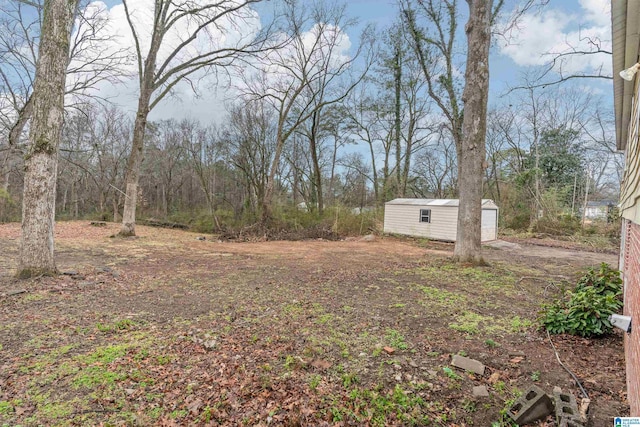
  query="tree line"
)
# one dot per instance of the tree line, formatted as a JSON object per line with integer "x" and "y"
{"x": 312, "y": 123}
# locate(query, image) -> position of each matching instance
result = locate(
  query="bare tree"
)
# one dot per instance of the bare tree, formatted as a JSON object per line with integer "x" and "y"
{"x": 252, "y": 134}
{"x": 368, "y": 122}
{"x": 468, "y": 129}
{"x": 305, "y": 77}
{"x": 202, "y": 25}
{"x": 471, "y": 161}
{"x": 435, "y": 49}
{"x": 19, "y": 31}
{"x": 203, "y": 150}
{"x": 556, "y": 71}
{"x": 167, "y": 155}
{"x": 92, "y": 59}
{"x": 355, "y": 183}
{"x": 435, "y": 170}
{"x": 602, "y": 158}
{"x": 93, "y": 152}
{"x": 38, "y": 205}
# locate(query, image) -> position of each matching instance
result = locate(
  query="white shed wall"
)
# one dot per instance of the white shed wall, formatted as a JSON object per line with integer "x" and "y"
{"x": 405, "y": 219}
{"x": 489, "y": 225}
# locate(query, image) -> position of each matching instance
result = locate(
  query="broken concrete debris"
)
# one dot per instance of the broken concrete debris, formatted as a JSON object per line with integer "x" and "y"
{"x": 467, "y": 364}
{"x": 480, "y": 391}
{"x": 535, "y": 404}
{"x": 566, "y": 408}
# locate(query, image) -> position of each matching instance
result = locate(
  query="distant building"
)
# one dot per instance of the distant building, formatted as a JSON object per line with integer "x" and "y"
{"x": 365, "y": 209}
{"x": 304, "y": 207}
{"x": 599, "y": 210}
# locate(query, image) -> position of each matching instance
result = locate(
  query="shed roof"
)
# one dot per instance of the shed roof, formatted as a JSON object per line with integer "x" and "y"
{"x": 486, "y": 203}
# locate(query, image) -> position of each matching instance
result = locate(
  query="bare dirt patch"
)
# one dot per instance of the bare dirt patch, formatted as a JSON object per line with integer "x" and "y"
{"x": 165, "y": 329}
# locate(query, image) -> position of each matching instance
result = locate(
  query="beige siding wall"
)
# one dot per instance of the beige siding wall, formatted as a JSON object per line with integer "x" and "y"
{"x": 630, "y": 187}
{"x": 405, "y": 219}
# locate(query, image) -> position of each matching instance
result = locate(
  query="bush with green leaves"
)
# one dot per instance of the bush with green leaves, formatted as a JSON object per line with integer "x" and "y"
{"x": 585, "y": 311}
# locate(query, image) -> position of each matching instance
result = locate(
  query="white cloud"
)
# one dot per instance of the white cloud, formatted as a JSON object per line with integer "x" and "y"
{"x": 322, "y": 47}
{"x": 318, "y": 57}
{"x": 535, "y": 36}
{"x": 208, "y": 103}
{"x": 597, "y": 11}
{"x": 540, "y": 37}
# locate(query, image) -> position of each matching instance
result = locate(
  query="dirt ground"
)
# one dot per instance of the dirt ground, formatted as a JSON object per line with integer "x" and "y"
{"x": 167, "y": 329}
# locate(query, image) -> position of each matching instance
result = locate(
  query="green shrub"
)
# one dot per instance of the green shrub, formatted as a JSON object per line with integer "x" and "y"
{"x": 606, "y": 281}
{"x": 585, "y": 311}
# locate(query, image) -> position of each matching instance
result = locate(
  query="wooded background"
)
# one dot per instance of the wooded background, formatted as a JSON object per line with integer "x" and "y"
{"x": 331, "y": 129}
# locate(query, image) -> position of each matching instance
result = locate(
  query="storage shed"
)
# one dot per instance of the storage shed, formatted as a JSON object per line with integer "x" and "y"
{"x": 435, "y": 219}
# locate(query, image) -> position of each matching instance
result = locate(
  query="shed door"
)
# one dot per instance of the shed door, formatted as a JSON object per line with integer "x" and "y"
{"x": 489, "y": 224}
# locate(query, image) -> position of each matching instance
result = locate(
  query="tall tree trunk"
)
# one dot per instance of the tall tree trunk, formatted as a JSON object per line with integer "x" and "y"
{"x": 537, "y": 199}
{"x": 313, "y": 142}
{"x": 397, "y": 79}
{"x": 586, "y": 200}
{"x": 74, "y": 200}
{"x": 6, "y": 171}
{"x": 133, "y": 164}
{"x": 269, "y": 187}
{"x": 116, "y": 208}
{"x": 385, "y": 176}
{"x": 472, "y": 151}
{"x": 332, "y": 177}
{"x": 376, "y": 189}
{"x": 407, "y": 157}
{"x": 147, "y": 77}
{"x": 41, "y": 163}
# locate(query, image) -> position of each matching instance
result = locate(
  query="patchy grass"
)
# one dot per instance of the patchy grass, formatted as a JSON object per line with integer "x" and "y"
{"x": 396, "y": 340}
{"x": 187, "y": 332}
{"x": 120, "y": 325}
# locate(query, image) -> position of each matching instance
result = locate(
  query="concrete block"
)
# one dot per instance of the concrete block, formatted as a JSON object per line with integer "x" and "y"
{"x": 566, "y": 422}
{"x": 480, "y": 391}
{"x": 567, "y": 409}
{"x": 467, "y": 364}
{"x": 534, "y": 404}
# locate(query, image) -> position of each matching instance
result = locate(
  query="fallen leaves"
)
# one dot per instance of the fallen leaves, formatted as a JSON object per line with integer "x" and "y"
{"x": 321, "y": 364}
{"x": 290, "y": 342}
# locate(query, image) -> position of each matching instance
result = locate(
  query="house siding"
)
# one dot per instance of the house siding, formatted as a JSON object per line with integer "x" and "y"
{"x": 626, "y": 45}
{"x": 630, "y": 251}
{"x": 630, "y": 187}
{"x": 631, "y": 275}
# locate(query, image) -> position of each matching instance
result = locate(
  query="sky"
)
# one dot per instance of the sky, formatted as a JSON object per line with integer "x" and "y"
{"x": 556, "y": 28}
